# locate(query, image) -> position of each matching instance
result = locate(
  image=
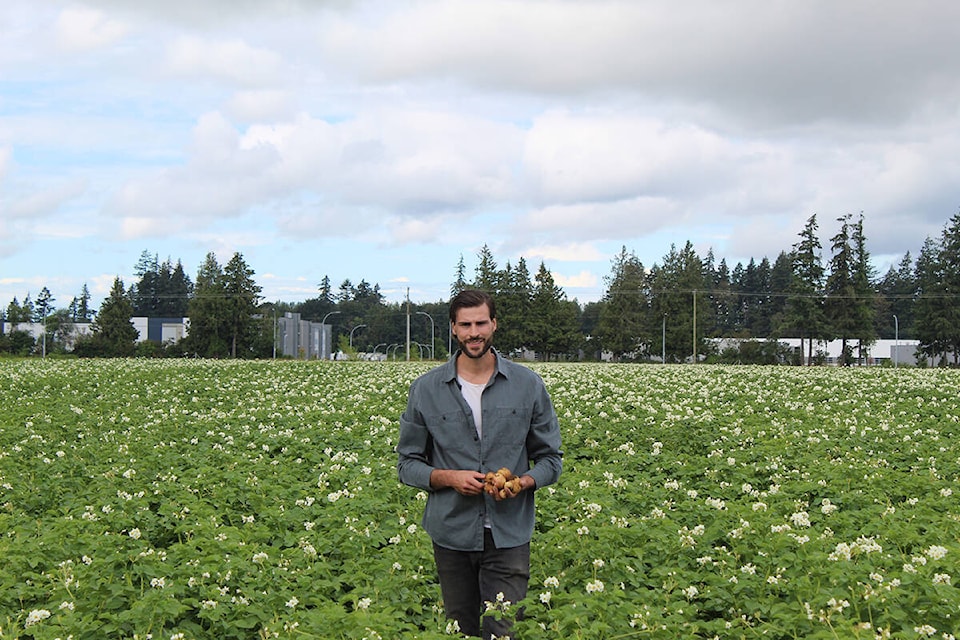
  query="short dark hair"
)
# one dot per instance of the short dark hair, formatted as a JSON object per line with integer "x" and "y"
{"x": 469, "y": 298}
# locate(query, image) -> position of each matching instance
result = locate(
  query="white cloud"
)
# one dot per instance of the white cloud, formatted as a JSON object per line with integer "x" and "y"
{"x": 45, "y": 202}
{"x": 558, "y": 127}
{"x": 137, "y": 227}
{"x": 268, "y": 105}
{"x": 232, "y": 60}
{"x": 100, "y": 285}
{"x": 420, "y": 230}
{"x": 570, "y": 252}
{"x": 582, "y": 280}
{"x": 799, "y": 62}
{"x": 6, "y": 153}
{"x": 402, "y": 163}
{"x": 81, "y": 29}
{"x": 595, "y": 221}
{"x": 612, "y": 156}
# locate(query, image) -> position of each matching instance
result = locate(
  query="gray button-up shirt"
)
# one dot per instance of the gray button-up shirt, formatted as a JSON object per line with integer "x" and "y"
{"x": 437, "y": 432}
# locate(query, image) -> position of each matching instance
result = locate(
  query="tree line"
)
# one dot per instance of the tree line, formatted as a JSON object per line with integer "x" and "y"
{"x": 669, "y": 310}
{"x": 802, "y": 294}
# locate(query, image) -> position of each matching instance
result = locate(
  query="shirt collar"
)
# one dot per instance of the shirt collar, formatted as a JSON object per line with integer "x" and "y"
{"x": 450, "y": 372}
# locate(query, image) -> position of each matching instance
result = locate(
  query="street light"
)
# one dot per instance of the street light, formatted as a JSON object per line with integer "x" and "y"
{"x": 323, "y": 343}
{"x": 663, "y": 341}
{"x": 432, "y": 328}
{"x": 359, "y": 326}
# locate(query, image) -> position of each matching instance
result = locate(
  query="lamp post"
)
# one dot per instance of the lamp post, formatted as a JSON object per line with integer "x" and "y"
{"x": 323, "y": 343}
{"x": 359, "y": 326}
{"x": 432, "y": 328}
{"x": 663, "y": 341}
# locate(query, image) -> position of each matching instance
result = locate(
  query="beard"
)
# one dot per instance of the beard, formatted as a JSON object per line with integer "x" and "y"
{"x": 475, "y": 356}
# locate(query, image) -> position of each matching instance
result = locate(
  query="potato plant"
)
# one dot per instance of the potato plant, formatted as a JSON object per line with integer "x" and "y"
{"x": 219, "y": 499}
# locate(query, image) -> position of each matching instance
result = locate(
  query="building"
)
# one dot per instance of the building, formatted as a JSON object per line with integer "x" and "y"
{"x": 895, "y": 352}
{"x": 160, "y": 330}
{"x": 303, "y": 339}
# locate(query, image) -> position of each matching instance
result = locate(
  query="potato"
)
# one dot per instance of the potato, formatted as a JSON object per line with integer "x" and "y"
{"x": 502, "y": 483}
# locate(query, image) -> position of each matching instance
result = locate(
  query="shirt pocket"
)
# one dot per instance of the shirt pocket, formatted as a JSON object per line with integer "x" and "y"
{"x": 511, "y": 424}
{"x": 451, "y": 431}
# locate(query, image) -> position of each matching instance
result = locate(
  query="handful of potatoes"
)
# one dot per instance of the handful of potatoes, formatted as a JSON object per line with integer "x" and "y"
{"x": 497, "y": 483}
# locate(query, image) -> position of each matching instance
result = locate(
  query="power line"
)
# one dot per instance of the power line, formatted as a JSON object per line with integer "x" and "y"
{"x": 776, "y": 294}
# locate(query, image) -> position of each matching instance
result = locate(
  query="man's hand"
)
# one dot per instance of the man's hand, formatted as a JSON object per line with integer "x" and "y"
{"x": 525, "y": 482}
{"x": 464, "y": 482}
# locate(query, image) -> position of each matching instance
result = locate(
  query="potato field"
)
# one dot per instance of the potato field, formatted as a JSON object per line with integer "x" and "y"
{"x": 200, "y": 499}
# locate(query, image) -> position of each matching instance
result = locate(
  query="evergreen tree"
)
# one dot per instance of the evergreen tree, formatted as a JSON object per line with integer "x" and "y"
{"x": 781, "y": 282}
{"x": 43, "y": 305}
{"x": 26, "y": 309}
{"x": 113, "y": 332}
{"x": 347, "y": 291}
{"x": 487, "y": 277}
{"x": 326, "y": 291}
{"x": 79, "y": 308}
{"x": 950, "y": 270}
{"x": 460, "y": 280}
{"x": 208, "y": 312}
{"x": 552, "y": 328}
{"x": 752, "y": 286}
{"x": 174, "y": 289}
{"x": 145, "y": 292}
{"x": 762, "y": 308}
{"x": 866, "y": 300}
{"x": 17, "y": 313}
{"x": 721, "y": 293}
{"x": 17, "y": 342}
{"x": 623, "y": 316}
{"x": 315, "y": 309}
{"x": 841, "y": 295}
{"x": 932, "y": 309}
{"x": 242, "y": 296}
{"x": 514, "y": 307}
{"x": 805, "y": 312}
{"x": 589, "y": 324}
{"x": 679, "y": 305}
{"x": 898, "y": 289}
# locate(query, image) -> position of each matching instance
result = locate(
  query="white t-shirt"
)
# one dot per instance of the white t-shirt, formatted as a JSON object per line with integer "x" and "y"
{"x": 471, "y": 393}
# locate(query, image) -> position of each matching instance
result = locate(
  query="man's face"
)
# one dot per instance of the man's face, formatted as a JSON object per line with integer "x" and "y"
{"x": 474, "y": 330}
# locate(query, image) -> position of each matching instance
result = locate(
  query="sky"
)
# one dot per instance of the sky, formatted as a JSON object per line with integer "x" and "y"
{"x": 383, "y": 141}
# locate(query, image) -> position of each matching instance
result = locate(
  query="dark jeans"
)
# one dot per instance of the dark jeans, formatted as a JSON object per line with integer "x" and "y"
{"x": 470, "y": 579}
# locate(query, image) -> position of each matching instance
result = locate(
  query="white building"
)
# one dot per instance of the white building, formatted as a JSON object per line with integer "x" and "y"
{"x": 161, "y": 330}
{"x": 895, "y": 352}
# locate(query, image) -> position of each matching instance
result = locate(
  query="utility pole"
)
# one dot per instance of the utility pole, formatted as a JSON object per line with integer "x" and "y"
{"x": 694, "y": 326}
{"x": 408, "y": 324}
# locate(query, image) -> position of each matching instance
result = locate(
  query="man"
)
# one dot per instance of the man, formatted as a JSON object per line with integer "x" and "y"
{"x": 476, "y": 414}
